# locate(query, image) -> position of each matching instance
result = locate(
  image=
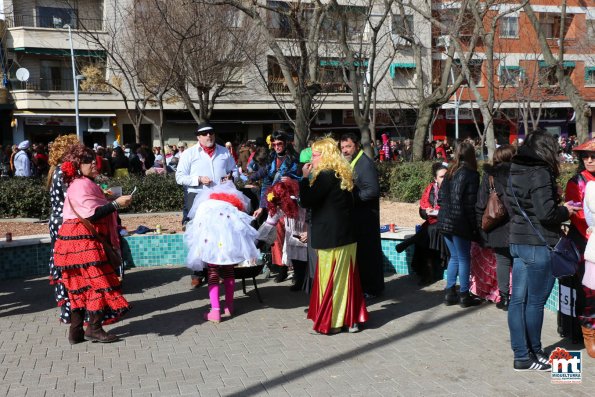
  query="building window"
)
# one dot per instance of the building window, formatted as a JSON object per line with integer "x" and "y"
{"x": 590, "y": 75}
{"x": 402, "y": 28}
{"x": 510, "y": 75}
{"x": 403, "y": 75}
{"x": 551, "y": 24}
{"x": 54, "y": 17}
{"x": 509, "y": 26}
{"x": 475, "y": 70}
{"x": 591, "y": 29}
{"x": 547, "y": 74}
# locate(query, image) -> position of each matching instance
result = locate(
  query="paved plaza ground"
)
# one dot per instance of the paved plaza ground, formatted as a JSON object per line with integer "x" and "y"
{"x": 412, "y": 346}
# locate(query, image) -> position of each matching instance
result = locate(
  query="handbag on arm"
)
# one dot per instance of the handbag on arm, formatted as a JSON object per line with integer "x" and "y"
{"x": 564, "y": 255}
{"x": 113, "y": 256}
{"x": 495, "y": 211}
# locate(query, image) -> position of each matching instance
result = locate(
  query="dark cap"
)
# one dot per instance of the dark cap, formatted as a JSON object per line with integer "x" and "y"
{"x": 203, "y": 127}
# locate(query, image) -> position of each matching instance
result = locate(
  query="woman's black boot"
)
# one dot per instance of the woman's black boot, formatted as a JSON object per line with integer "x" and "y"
{"x": 282, "y": 275}
{"x": 451, "y": 297}
{"x": 504, "y": 301}
{"x": 468, "y": 300}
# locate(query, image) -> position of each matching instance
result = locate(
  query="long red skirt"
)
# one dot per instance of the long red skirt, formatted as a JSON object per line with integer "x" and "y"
{"x": 336, "y": 299}
{"x": 277, "y": 247}
{"x": 89, "y": 278}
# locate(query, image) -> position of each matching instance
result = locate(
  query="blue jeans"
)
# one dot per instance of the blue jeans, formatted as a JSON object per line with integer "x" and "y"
{"x": 459, "y": 263}
{"x": 532, "y": 282}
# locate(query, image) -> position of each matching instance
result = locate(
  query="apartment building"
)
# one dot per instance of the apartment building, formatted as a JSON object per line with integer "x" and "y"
{"x": 38, "y": 40}
{"x": 522, "y": 78}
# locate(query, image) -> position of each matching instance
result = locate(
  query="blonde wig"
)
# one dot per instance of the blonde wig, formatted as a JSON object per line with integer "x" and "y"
{"x": 331, "y": 159}
{"x": 59, "y": 147}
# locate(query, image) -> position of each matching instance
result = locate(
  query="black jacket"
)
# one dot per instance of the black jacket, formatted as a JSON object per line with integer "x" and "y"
{"x": 535, "y": 188}
{"x": 332, "y": 211}
{"x": 457, "y": 198}
{"x": 498, "y": 236}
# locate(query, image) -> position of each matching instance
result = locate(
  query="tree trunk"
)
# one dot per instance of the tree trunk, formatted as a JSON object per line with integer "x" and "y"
{"x": 365, "y": 140}
{"x": 424, "y": 118}
{"x": 302, "y": 124}
{"x": 488, "y": 134}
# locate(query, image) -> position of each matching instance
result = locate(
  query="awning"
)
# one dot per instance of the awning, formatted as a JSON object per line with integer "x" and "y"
{"x": 566, "y": 64}
{"x": 60, "y": 52}
{"x": 400, "y": 65}
{"x": 336, "y": 63}
{"x": 34, "y": 114}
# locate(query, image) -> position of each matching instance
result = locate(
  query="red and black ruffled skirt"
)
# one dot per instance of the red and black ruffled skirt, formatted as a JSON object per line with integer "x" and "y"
{"x": 89, "y": 278}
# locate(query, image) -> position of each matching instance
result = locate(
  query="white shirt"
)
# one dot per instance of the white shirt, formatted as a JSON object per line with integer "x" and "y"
{"x": 22, "y": 164}
{"x": 195, "y": 162}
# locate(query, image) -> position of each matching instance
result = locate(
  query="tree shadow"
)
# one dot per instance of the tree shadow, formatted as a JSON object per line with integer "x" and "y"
{"x": 139, "y": 281}
{"x": 402, "y": 296}
{"x": 24, "y": 296}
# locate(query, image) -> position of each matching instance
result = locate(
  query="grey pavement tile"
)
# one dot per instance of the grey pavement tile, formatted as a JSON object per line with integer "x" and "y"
{"x": 33, "y": 392}
{"x": 271, "y": 350}
{"x": 17, "y": 390}
{"x": 208, "y": 392}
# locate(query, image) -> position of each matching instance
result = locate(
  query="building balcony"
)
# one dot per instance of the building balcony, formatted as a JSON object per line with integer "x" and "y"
{"x": 32, "y": 32}
{"x": 53, "y": 22}
{"x": 277, "y": 85}
{"x": 51, "y": 85}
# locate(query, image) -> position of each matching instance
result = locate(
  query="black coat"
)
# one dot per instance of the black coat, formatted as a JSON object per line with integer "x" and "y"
{"x": 457, "y": 198}
{"x": 535, "y": 188}
{"x": 498, "y": 236}
{"x": 366, "y": 193}
{"x": 332, "y": 211}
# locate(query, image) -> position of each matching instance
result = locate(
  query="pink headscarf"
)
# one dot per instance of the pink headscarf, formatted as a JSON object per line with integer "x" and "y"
{"x": 85, "y": 196}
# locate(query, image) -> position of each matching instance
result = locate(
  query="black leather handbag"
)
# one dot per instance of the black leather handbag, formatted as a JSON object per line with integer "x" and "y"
{"x": 565, "y": 256}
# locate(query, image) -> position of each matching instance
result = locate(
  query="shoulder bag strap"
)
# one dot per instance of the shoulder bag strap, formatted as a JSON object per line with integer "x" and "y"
{"x": 525, "y": 214}
{"x": 106, "y": 244}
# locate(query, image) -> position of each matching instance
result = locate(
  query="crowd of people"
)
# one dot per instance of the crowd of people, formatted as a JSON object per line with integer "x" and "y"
{"x": 506, "y": 258}
{"x": 311, "y": 209}
{"x": 317, "y": 212}
{"x": 32, "y": 160}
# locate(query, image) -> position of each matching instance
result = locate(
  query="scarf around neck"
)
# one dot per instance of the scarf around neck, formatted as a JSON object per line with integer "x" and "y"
{"x": 209, "y": 150}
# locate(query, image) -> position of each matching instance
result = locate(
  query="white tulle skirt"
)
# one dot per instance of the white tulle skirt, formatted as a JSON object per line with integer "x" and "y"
{"x": 219, "y": 234}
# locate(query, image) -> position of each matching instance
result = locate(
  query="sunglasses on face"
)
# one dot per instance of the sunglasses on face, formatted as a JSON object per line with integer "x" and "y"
{"x": 88, "y": 160}
{"x": 590, "y": 156}
{"x": 205, "y": 133}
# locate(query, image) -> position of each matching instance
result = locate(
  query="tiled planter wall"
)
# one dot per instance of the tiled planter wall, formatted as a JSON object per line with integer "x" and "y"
{"x": 30, "y": 258}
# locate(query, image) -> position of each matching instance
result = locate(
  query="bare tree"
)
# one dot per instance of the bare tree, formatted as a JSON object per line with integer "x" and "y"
{"x": 296, "y": 57}
{"x": 452, "y": 23}
{"x": 366, "y": 57}
{"x": 486, "y": 22}
{"x": 122, "y": 59}
{"x": 581, "y": 108}
{"x": 213, "y": 41}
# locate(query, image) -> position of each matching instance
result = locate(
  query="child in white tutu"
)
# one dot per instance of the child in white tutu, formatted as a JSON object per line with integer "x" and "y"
{"x": 218, "y": 237}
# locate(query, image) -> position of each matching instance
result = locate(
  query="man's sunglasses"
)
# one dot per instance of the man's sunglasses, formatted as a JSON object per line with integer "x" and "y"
{"x": 205, "y": 133}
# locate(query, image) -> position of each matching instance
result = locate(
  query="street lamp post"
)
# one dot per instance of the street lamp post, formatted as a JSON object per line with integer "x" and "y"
{"x": 76, "y": 86}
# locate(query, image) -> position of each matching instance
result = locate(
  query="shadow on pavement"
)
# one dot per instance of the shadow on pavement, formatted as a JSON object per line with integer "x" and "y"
{"x": 402, "y": 296}
{"x": 139, "y": 281}
{"x": 290, "y": 376}
{"x": 23, "y": 296}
